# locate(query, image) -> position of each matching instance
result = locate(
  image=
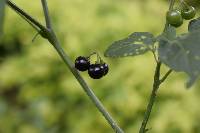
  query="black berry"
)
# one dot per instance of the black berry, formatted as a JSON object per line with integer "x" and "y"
{"x": 95, "y": 71}
{"x": 105, "y": 68}
{"x": 82, "y": 63}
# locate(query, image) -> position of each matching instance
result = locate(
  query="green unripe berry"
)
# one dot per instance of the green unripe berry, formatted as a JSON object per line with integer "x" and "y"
{"x": 174, "y": 18}
{"x": 188, "y": 13}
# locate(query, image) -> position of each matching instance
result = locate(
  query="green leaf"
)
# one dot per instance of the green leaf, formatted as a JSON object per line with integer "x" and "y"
{"x": 194, "y": 25}
{"x": 2, "y": 8}
{"x": 182, "y": 54}
{"x": 136, "y": 44}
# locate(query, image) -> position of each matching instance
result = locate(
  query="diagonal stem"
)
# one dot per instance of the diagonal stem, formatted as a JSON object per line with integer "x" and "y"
{"x": 54, "y": 41}
{"x": 48, "y": 33}
{"x": 13, "y": 6}
{"x": 165, "y": 76}
{"x": 84, "y": 85}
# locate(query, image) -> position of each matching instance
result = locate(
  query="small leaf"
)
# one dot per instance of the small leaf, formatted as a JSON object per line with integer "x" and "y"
{"x": 136, "y": 44}
{"x": 2, "y": 8}
{"x": 182, "y": 54}
{"x": 194, "y": 25}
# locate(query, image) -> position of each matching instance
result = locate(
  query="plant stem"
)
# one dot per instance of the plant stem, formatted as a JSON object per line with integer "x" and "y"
{"x": 156, "y": 85}
{"x": 25, "y": 15}
{"x": 84, "y": 85}
{"x": 46, "y": 14}
{"x": 165, "y": 76}
{"x": 51, "y": 36}
{"x": 171, "y": 4}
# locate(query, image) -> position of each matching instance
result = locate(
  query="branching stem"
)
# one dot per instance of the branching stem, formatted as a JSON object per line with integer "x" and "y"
{"x": 48, "y": 33}
{"x": 156, "y": 84}
{"x": 165, "y": 76}
{"x": 46, "y": 14}
{"x": 25, "y": 15}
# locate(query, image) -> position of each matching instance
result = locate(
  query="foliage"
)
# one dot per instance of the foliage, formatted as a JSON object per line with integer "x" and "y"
{"x": 182, "y": 54}
{"x": 179, "y": 53}
{"x": 136, "y": 44}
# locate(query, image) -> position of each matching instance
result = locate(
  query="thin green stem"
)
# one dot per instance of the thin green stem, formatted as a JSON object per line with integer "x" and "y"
{"x": 30, "y": 23}
{"x": 171, "y": 4}
{"x": 46, "y": 14}
{"x": 98, "y": 57}
{"x": 184, "y": 3}
{"x": 13, "y": 6}
{"x": 51, "y": 36}
{"x": 165, "y": 76}
{"x": 35, "y": 37}
{"x": 84, "y": 85}
{"x": 155, "y": 57}
{"x": 156, "y": 85}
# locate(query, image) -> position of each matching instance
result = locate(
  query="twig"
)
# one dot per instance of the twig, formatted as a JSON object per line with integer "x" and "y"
{"x": 26, "y": 15}
{"x": 165, "y": 76}
{"x": 46, "y": 14}
{"x": 154, "y": 55}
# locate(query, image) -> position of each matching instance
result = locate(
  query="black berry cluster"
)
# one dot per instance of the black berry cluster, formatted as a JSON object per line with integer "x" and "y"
{"x": 95, "y": 71}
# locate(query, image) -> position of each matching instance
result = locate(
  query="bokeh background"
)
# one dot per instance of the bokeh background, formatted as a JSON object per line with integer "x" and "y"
{"x": 38, "y": 94}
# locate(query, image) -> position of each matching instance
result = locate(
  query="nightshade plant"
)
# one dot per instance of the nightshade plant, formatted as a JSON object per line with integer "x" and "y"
{"x": 179, "y": 52}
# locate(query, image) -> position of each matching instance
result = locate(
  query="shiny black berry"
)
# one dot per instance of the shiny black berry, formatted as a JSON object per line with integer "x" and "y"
{"x": 95, "y": 71}
{"x": 105, "y": 67}
{"x": 82, "y": 63}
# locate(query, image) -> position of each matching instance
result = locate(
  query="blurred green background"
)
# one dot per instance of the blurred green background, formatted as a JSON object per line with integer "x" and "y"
{"x": 38, "y": 94}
